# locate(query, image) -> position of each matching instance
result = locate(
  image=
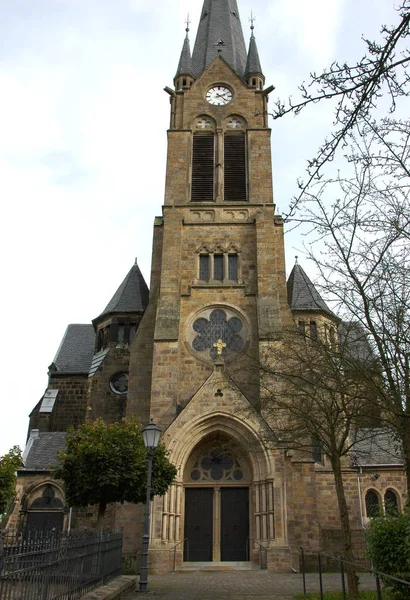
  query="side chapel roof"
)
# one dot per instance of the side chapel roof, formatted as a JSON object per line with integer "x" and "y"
{"x": 76, "y": 350}
{"x": 41, "y": 450}
{"x": 376, "y": 447}
{"x": 219, "y": 29}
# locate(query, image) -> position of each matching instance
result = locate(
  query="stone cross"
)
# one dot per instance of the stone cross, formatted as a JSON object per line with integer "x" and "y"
{"x": 220, "y": 345}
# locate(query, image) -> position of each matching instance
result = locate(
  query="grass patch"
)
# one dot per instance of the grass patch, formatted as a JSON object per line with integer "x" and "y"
{"x": 339, "y": 596}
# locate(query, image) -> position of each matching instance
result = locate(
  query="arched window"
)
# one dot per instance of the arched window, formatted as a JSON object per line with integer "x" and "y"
{"x": 47, "y": 500}
{"x": 391, "y": 502}
{"x": 372, "y": 504}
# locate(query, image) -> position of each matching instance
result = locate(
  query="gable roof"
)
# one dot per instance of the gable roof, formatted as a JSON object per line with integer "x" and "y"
{"x": 132, "y": 295}
{"x": 76, "y": 350}
{"x": 41, "y": 451}
{"x": 302, "y": 294}
{"x": 219, "y": 31}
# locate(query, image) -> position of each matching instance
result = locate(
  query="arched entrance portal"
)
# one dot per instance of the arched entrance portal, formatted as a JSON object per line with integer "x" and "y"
{"x": 217, "y": 483}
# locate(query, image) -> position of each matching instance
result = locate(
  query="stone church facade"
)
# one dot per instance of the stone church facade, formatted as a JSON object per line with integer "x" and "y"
{"x": 179, "y": 353}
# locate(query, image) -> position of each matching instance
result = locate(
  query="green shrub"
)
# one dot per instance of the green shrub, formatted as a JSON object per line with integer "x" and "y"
{"x": 388, "y": 540}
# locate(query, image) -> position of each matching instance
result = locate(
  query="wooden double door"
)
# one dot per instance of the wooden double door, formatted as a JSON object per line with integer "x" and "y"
{"x": 216, "y": 524}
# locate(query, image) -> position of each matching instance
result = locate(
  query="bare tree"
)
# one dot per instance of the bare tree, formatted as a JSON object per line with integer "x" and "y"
{"x": 313, "y": 393}
{"x": 356, "y": 90}
{"x": 360, "y": 231}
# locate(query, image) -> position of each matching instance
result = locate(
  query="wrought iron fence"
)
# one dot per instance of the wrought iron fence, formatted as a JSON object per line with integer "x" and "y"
{"x": 388, "y": 580}
{"x": 57, "y": 566}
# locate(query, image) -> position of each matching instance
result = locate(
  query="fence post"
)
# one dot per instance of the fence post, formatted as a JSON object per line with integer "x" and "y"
{"x": 302, "y": 552}
{"x": 320, "y": 576}
{"x": 379, "y": 591}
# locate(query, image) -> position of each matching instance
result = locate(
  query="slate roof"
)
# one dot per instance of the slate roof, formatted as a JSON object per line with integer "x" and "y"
{"x": 253, "y": 64}
{"x": 354, "y": 339}
{"x": 376, "y": 447}
{"x": 302, "y": 294}
{"x": 219, "y": 29}
{"x": 42, "y": 452}
{"x": 131, "y": 296}
{"x": 76, "y": 350}
{"x": 185, "y": 66}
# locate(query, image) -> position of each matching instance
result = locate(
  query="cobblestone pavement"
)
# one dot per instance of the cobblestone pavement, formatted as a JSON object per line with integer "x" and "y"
{"x": 239, "y": 585}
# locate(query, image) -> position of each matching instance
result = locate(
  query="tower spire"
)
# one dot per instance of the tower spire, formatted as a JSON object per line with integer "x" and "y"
{"x": 253, "y": 69}
{"x": 219, "y": 32}
{"x": 185, "y": 68}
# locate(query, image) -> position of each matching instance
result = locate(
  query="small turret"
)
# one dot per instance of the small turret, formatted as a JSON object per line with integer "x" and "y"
{"x": 184, "y": 76}
{"x": 253, "y": 71}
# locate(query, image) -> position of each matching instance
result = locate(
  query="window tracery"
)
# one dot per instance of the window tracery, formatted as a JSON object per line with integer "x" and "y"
{"x": 217, "y": 465}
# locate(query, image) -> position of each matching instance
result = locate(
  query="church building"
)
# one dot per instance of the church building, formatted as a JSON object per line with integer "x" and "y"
{"x": 179, "y": 351}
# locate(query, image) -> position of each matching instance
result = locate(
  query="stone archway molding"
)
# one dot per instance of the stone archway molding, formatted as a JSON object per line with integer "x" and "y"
{"x": 240, "y": 428}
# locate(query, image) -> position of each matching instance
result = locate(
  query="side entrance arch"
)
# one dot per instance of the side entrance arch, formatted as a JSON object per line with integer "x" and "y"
{"x": 45, "y": 513}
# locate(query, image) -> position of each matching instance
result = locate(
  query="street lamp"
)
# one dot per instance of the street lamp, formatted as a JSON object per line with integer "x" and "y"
{"x": 151, "y": 435}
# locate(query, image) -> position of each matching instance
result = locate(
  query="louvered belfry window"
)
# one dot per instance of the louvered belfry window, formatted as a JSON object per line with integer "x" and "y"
{"x": 235, "y": 167}
{"x": 203, "y": 169}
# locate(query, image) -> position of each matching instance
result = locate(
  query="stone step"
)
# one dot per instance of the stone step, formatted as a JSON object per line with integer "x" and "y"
{"x": 217, "y": 566}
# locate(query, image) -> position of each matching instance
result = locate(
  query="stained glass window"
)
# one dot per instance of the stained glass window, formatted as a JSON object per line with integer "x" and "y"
{"x": 218, "y": 327}
{"x": 372, "y": 504}
{"x": 217, "y": 465}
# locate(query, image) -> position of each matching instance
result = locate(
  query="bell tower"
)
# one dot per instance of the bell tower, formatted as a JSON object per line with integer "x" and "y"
{"x": 218, "y": 272}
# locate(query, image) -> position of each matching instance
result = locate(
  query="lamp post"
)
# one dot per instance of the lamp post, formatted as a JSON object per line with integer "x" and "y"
{"x": 151, "y": 435}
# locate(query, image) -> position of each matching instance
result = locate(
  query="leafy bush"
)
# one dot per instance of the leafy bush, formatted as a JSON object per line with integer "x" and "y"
{"x": 9, "y": 463}
{"x": 388, "y": 539}
{"x": 106, "y": 463}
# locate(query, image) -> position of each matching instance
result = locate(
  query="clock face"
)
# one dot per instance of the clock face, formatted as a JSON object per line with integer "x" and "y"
{"x": 219, "y": 95}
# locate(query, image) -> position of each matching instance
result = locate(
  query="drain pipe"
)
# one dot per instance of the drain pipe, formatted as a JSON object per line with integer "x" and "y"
{"x": 285, "y": 499}
{"x": 359, "y": 487}
{"x": 70, "y": 516}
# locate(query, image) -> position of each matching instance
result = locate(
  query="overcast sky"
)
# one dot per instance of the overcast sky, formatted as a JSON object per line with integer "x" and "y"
{"x": 83, "y": 120}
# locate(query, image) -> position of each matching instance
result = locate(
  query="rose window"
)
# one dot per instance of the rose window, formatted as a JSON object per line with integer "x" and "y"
{"x": 119, "y": 383}
{"x": 219, "y": 333}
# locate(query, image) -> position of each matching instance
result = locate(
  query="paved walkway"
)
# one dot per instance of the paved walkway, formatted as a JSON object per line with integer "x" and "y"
{"x": 239, "y": 585}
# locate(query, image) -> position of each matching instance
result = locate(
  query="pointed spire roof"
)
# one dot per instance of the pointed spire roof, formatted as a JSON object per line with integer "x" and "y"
{"x": 303, "y": 295}
{"x": 253, "y": 64}
{"x": 219, "y": 30}
{"x": 185, "y": 66}
{"x": 131, "y": 297}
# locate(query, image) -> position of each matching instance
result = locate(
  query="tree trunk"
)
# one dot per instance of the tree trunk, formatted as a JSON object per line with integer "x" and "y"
{"x": 406, "y": 452}
{"x": 346, "y": 531}
{"x": 101, "y": 513}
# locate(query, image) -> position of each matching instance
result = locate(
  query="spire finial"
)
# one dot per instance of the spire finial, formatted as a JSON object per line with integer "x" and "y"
{"x": 187, "y": 23}
{"x": 252, "y": 22}
{"x": 296, "y": 260}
